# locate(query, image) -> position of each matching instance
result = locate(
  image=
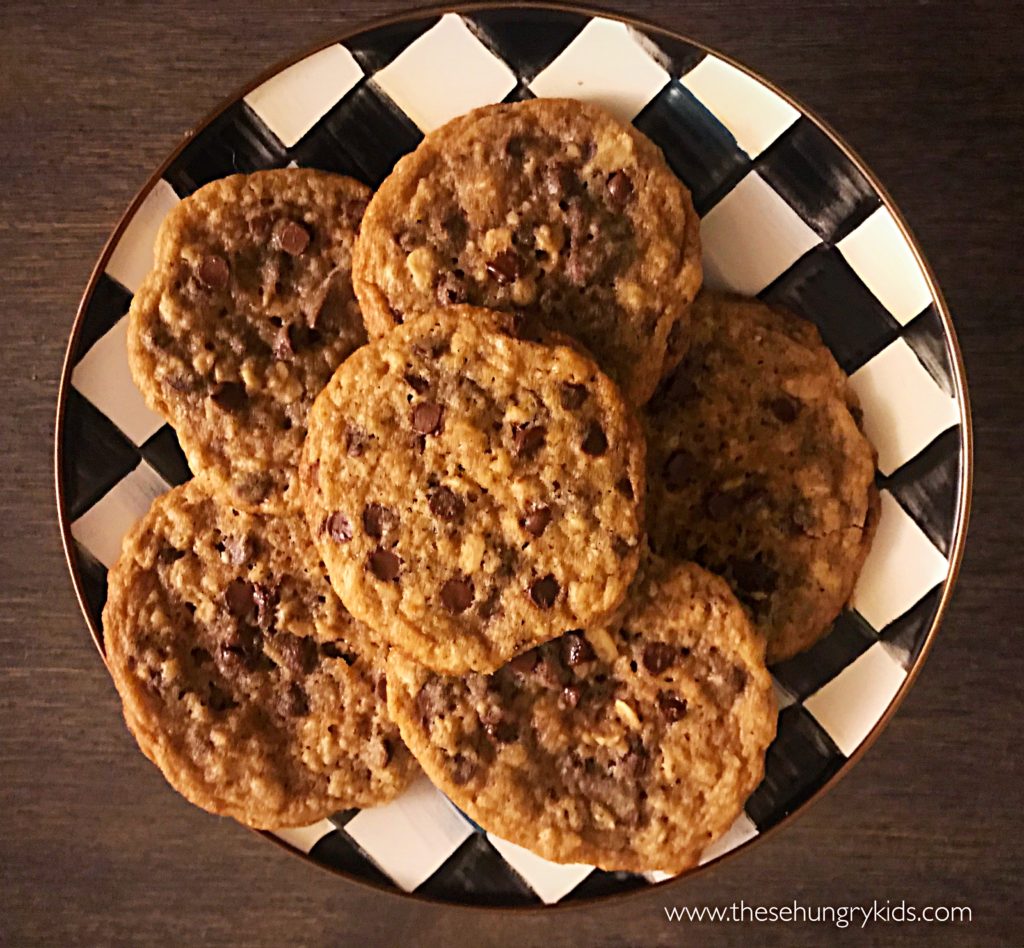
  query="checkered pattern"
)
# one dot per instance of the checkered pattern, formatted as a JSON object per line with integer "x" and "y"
{"x": 785, "y": 216}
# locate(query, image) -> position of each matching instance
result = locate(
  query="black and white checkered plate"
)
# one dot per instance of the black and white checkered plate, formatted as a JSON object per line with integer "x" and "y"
{"x": 789, "y": 214}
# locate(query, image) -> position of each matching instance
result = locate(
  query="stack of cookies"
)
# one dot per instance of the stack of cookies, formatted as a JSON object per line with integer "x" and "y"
{"x": 481, "y": 483}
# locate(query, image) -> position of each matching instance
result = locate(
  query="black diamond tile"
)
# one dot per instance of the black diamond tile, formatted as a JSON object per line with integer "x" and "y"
{"x": 925, "y": 336}
{"x": 849, "y": 636}
{"x": 520, "y": 93}
{"x": 236, "y": 141}
{"x": 109, "y": 302}
{"x": 341, "y": 819}
{"x": 818, "y": 181}
{"x": 801, "y": 759}
{"x": 697, "y": 146}
{"x": 528, "y": 40}
{"x": 340, "y": 141}
{"x": 600, "y": 883}
{"x": 676, "y": 55}
{"x": 477, "y": 873}
{"x": 375, "y": 48}
{"x": 904, "y": 637}
{"x": 821, "y": 287}
{"x": 93, "y": 575}
{"x": 927, "y": 487}
{"x": 95, "y": 457}
{"x": 164, "y": 453}
{"x": 338, "y": 851}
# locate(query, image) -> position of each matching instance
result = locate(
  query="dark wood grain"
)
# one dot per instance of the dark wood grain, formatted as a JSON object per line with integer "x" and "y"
{"x": 94, "y": 848}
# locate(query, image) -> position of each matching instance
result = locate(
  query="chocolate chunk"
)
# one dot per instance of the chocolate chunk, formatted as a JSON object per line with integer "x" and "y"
{"x": 426, "y": 418}
{"x": 753, "y": 576}
{"x": 527, "y": 441}
{"x": 355, "y": 442}
{"x": 446, "y": 504}
{"x": 264, "y": 599}
{"x": 259, "y": 227}
{"x": 537, "y": 519}
{"x": 337, "y": 527}
{"x": 720, "y": 505}
{"x": 671, "y": 707}
{"x": 462, "y": 769}
{"x": 457, "y": 595}
{"x": 559, "y": 179}
{"x": 291, "y": 237}
{"x": 430, "y": 701}
{"x": 679, "y": 468}
{"x": 450, "y": 289}
{"x": 570, "y": 696}
{"x": 545, "y": 591}
{"x": 298, "y": 653}
{"x": 228, "y": 395}
{"x": 785, "y": 409}
{"x": 572, "y": 395}
{"x": 620, "y": 187}
{"x": 524, "y": 664}
{"x": 576, "y": 650}
{"x": 378, "y": 520}
{"x": 504, "y": 732}
{"x": 384, "y": 565}
{"x": 293, "y": 703}
{"x": 625, "y": 487}
{"x": 240, "y": 598}
{"x": 659, "y": 656}
{"x": 505, "y": 268}
{"x": 213, "y": 272}
{"x": 418, "y": 384}
{"x": 243, "y": 646}
{"x": 596, "y": 442}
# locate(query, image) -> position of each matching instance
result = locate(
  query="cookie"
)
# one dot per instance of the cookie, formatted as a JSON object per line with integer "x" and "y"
{"x": 759, "y": 470}
{"x": 550, "y": 207}
{"x": 242, "y": 676}
{"x": 631, "y": 748}
{"x": 248, "y": 311}
{"x": 471, "y": 492}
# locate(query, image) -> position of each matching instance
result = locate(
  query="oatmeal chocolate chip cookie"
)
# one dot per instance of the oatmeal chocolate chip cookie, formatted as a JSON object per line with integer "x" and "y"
{"x": 473, "y": 493}
{"x": 551, "y": 207}
{"x": 243, "y": 678}
{"x": 248, "y": 311}
{"x": 630, "y": 748}
{"x": 758, "y": 468}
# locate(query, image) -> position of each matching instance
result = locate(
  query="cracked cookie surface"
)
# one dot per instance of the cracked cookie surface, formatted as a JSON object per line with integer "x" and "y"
{"x": 759, "y": 470}
{"x": 631, "y": 748}
{"x": 242, "y": 676}
{"x": 247, "y": 312}
{"x": 550, "y": 207}
{"x": 473, "y": 493}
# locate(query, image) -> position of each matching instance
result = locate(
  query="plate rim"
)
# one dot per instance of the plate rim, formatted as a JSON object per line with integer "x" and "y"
{"x": 959, "y": 377}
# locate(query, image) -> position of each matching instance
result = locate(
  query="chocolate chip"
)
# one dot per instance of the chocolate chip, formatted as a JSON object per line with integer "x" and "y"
{"x": 426, "y": 418}
{"x": 240, "y": 598}
{"x": 576, "y": 650}
{"x": 620, "y": 187}
{"x": 462, "y": 769}
{"x": 259, "y": 227}
{"x": 337, "y": 527}
{"x": 524, "y": 664}
{"x": 291, "y": 237}
{"x": 384, "y": 565}
{"x": 378, "y": 520}
{"x": 504, "y": 732}
{"x": 625, "y": 487}
{"x": 228, "y": 395}
{"x": 537, "y": 519}
{"x": 596, "y": 442}
{"x": 720, "y": 505}
{"x": 679, "y": 468}
{"x": 446, "y": 504}
{"x": 457, "y": 595}
{"x": 559, "y": 179}
{"x": 545, "y": 591}
{"x": 418, "y": 384}
{"x": 505, "y": 268}
{"x": 527, "y": 441}
{"x": 658, "y": 656}
{"x": 243, "y": 646}
{"x": 785, "y": 409}
{"x": 572, "y": 395}
{"x": 671, "y": 707}
{"x": 450, "y": 289}
{"x": 753, "y": 576}
{"x": 213, "y": 272}
{"x": 570, "y": 697}
{"x": 298, "y": 653}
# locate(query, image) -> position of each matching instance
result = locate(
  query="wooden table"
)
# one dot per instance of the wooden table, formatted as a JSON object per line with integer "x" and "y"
{"x": 95, "y": 848}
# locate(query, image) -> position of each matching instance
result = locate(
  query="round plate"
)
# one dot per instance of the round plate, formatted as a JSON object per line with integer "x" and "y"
{"x": 790, "y": 214}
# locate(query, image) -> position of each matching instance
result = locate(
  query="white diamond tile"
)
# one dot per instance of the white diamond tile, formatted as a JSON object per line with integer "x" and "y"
{"x": 293, "y": 101}
{"x": 411, "y": 837}
{"x": 304, "y": 838}
{"x": 882, "y": 258}
{"x": 850, "y": 705}
{"x": 445, "y": 72}
{"x": 902, "y": 567}
{"x": 104, "y": 378}
{"x": 132, "y": 258}
{"x": 742, "y": 830}
{"x": 103, "y": 526}
{"x": 751, "y": 237}
{"x": 550, "y": 880}
{"x": 754, "y": 114}
{"x": 904, "y": 408}
{"x": 606, "y": 65}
